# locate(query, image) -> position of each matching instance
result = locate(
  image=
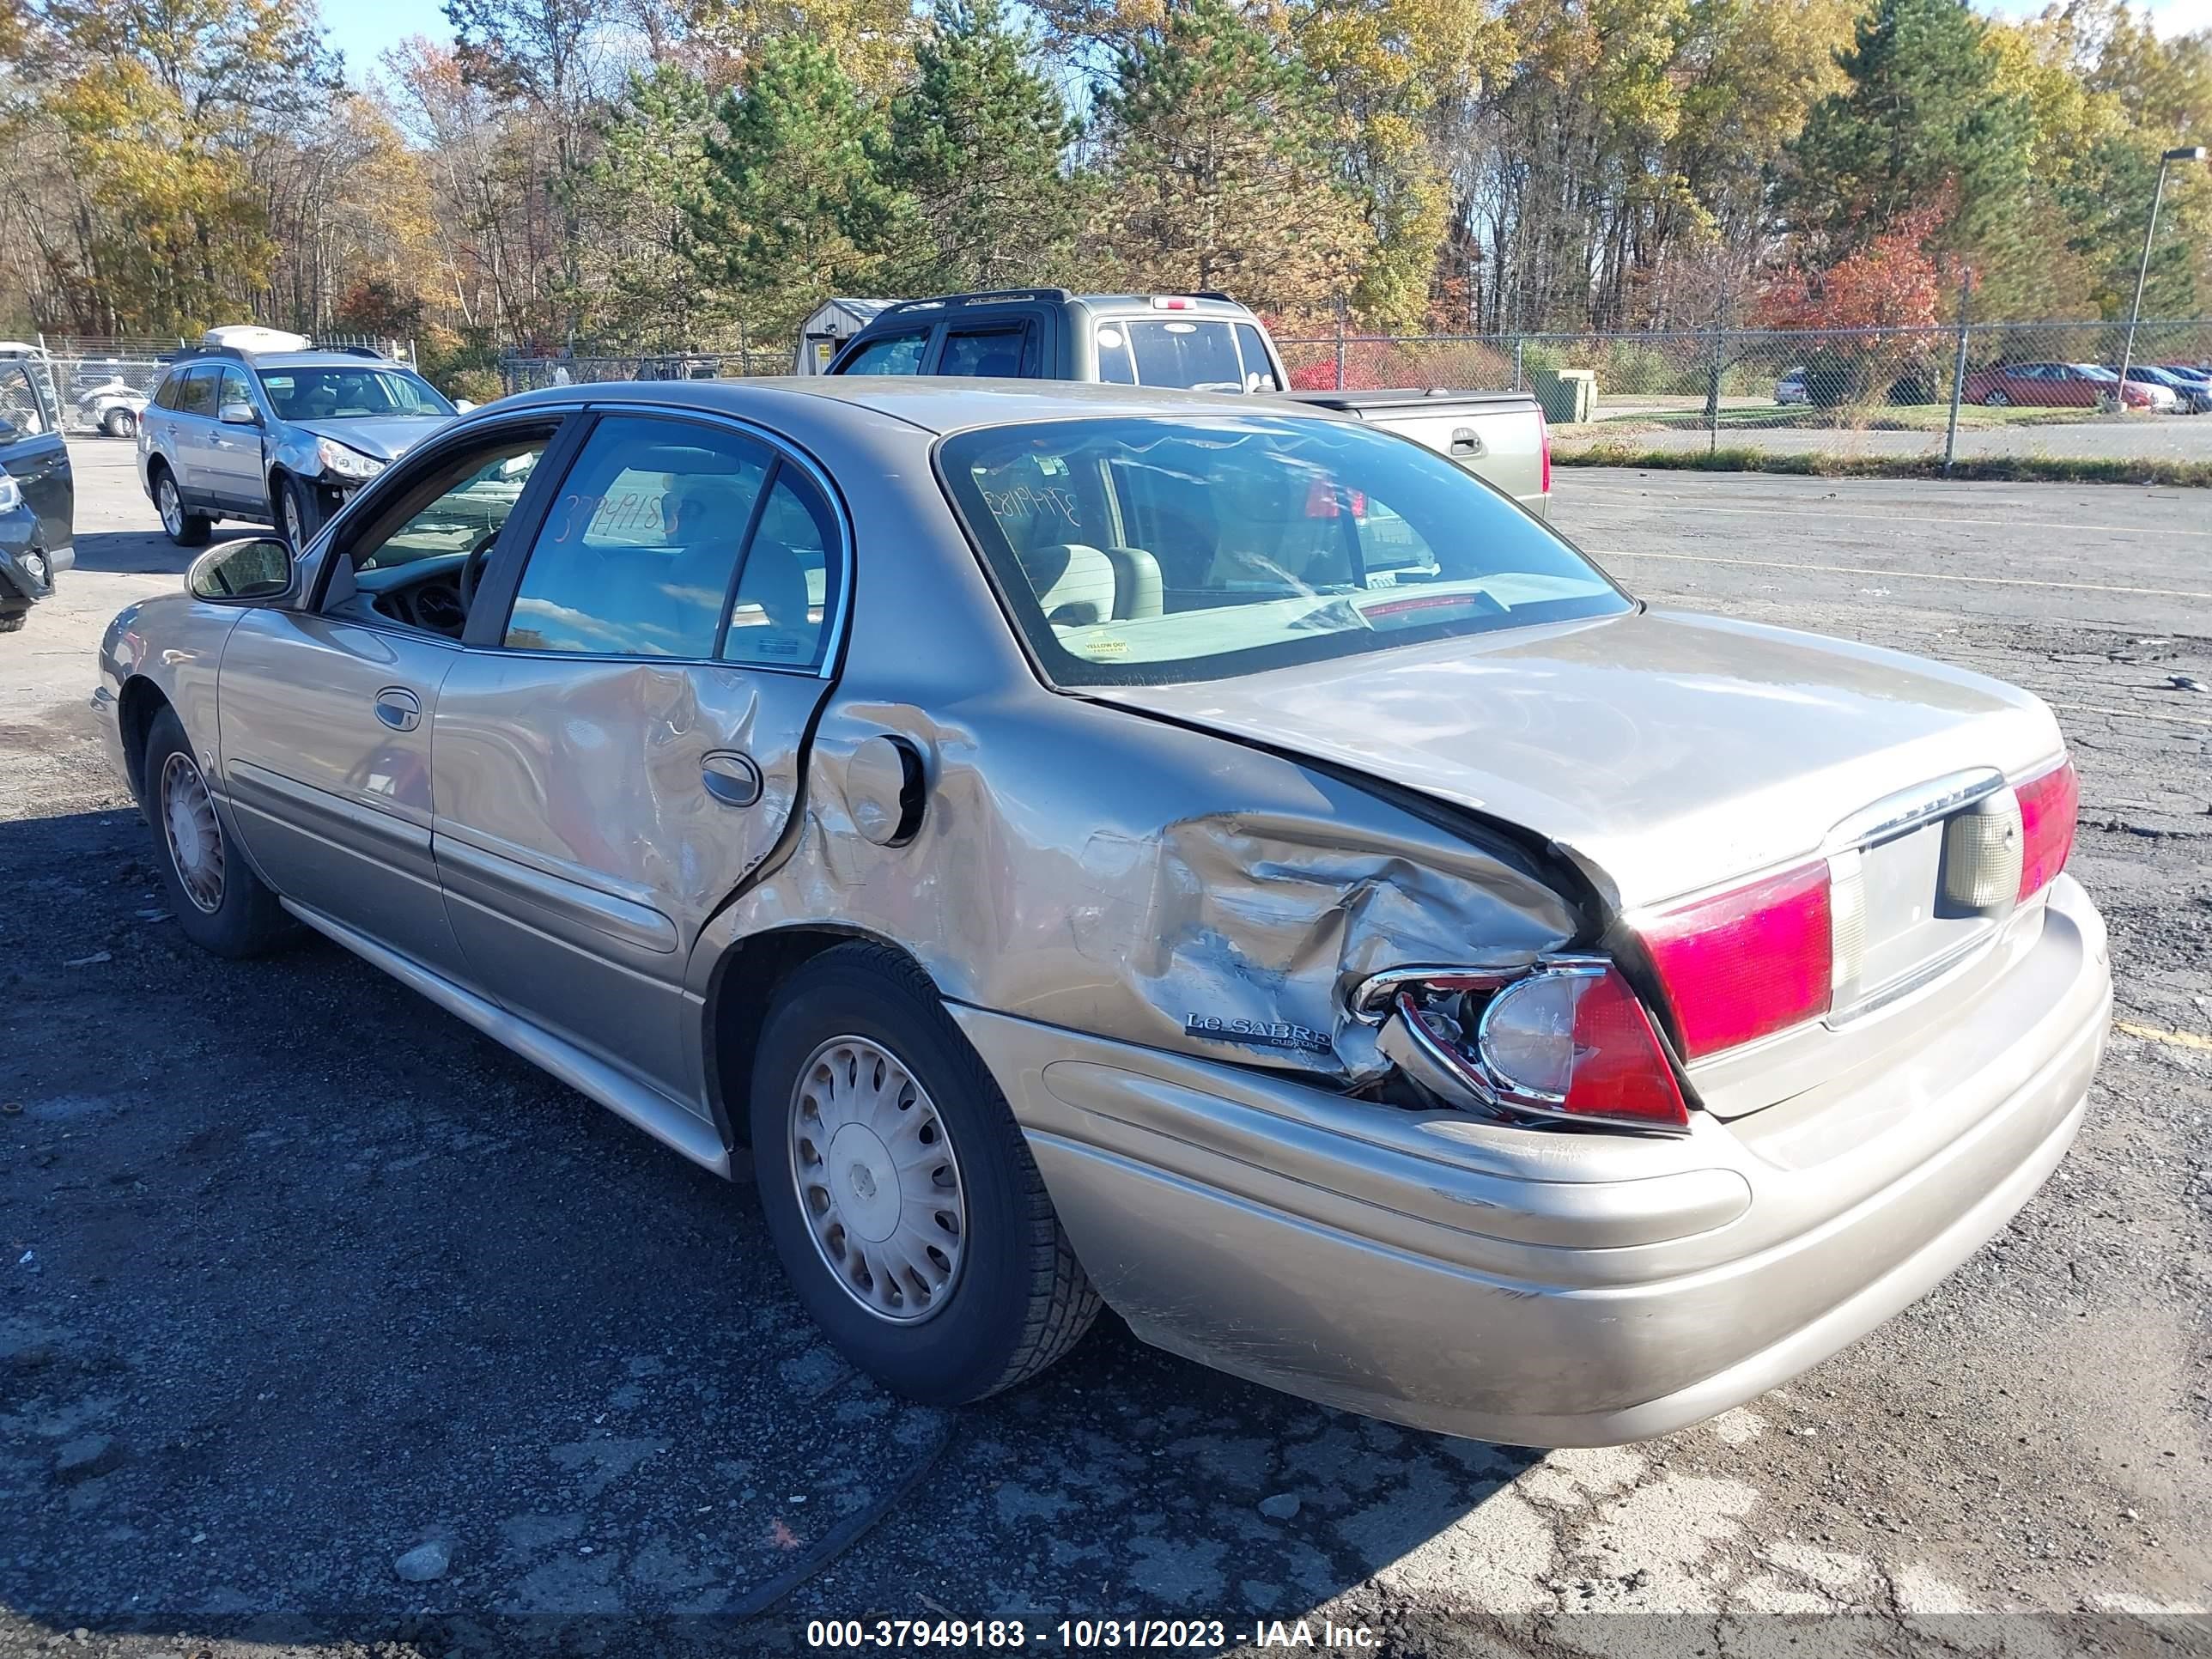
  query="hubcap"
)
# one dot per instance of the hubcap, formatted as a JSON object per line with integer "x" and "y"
{"x": 173, "y": 509}
{"x": 188, "y": 822}
{"x": 878, "y": 1181}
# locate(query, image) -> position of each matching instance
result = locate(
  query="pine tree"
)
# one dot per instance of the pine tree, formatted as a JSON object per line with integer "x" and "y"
{"x": 792, "y": 208}
{"x": 1923, "y": 115}
{"x": 640, "y": 288}
{"x": 975, "y": 141}
{"x": 1220, "y": 175}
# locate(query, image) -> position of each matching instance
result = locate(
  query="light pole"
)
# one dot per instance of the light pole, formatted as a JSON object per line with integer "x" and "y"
{"x": 2187, "y": 153}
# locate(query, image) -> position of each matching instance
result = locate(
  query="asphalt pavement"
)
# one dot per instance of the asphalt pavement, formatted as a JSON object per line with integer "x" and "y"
{"x": 303, "y": 1276}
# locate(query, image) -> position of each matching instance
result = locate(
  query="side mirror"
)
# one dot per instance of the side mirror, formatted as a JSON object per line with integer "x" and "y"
{"x": 240, "y": 415}
{"x": 238, "y": 573}
{"x": 464, "y": 404}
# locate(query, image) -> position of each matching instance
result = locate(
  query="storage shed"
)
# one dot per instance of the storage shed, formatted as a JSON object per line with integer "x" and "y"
{"x": 832, "y": 323}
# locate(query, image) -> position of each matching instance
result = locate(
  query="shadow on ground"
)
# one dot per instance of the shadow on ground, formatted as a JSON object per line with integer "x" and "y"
{"x": 301, "y": 1273}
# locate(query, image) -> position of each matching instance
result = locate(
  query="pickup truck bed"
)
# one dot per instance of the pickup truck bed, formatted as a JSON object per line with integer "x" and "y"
{"x": 1497, "y": 435}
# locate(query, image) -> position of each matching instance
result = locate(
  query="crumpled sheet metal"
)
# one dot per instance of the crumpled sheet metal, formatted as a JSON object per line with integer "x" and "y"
{"x": 1116, "y": 875}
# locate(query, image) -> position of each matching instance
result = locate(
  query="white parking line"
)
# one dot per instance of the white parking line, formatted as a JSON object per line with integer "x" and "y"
{"x": 1917, "y": 518}
{"x": 1908, "y": 575}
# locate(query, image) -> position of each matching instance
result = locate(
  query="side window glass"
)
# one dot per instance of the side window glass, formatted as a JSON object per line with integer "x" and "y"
{"x": 165, "y": 395}
{"x": 787, "y": 590}
{"x": 198, "y": 396}
{"x": 19, "y": 401}
{"x": 1115, "y": 366}
{"x": 894, "y": 353}
{"x": 468, "y": 497}
{"x": 1259, "y": 376}
{"x": 993, "y": 355}
{"x": 635, "y": 556}
{"x": 233, "y": 389}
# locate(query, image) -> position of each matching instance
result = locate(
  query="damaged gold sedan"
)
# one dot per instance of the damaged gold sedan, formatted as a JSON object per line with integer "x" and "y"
{"x": 1092, "y": 844}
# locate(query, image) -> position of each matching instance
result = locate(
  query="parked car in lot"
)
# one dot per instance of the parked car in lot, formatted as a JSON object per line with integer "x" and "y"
{"x": 279, "y": 437}
{"x": 1790, "y": 388}
{"x": 1201, "y": 854}
{"x": 1197, "y": 342}
{"x": 38, "y": 492}
{"x": 112, "y": 407}
{"x": 2052, "y": 386}
{"x": 2170, "y": 391}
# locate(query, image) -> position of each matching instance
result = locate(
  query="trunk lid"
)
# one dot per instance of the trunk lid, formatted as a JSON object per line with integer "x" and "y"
{"x": 1665, "y": 752}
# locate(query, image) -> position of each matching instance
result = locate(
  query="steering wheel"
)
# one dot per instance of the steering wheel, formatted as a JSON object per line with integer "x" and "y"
{"x": 472, "y": 567}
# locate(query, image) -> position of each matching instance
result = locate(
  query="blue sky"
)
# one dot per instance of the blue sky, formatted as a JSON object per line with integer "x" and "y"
{"x": 362, "y": 29}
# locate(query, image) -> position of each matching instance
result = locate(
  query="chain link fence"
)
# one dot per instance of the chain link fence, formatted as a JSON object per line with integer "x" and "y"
{"x": 1985, "y": 390}
{"x": 528, "y": 373}
{"x": 97, "y": 385}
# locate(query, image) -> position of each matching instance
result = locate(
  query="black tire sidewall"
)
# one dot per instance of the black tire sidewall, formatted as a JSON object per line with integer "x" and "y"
{"x": 963, "y": 1350}
{"x": 196, "y": 527}
{"x": 296, "y": 498}
{"x": 243, "y": 923}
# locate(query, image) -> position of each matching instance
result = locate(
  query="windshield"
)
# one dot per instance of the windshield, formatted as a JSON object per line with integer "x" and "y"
{"x": 347, "y": 394}
{"x": 2091, "y": 372}
{"x": 1140, "y": 551}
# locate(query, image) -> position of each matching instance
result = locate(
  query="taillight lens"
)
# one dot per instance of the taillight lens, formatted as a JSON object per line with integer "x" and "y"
{"x": 2048, "y": 806}
{"x": 1544, "y": 447}
{"x": 1578, "y": 1043}
{"x": 1746, "y": 963}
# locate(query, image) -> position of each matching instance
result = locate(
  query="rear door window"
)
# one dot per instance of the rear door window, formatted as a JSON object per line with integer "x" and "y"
{"x": 891, "y": 354}
{"x": 19, "y": 403}
{"x": 1002, "y": 354}
{"x": 198, "y": 396}
{"x": 636, "y": 556}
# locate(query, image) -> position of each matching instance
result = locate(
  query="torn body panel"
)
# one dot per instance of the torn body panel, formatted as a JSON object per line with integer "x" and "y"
{"x": 1216, "y": 899}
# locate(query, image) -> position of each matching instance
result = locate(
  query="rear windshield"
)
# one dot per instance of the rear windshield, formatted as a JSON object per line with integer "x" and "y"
{"x": 1195, "y": 354}
{"x": 1144, "y": 550}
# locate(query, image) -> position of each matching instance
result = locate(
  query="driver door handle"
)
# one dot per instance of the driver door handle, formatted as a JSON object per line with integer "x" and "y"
{"x": 399, "y": 708}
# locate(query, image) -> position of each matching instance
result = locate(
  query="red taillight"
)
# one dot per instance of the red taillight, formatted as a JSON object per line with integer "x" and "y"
{"x": 2048, "y": 806}
{"x": 1544, "y": 446}
{"x": 1743, "y": 963}
{"x": 1576, "y": 1042}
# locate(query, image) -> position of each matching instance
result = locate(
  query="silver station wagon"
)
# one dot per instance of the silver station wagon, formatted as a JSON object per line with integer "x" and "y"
{"x": 1088, "y": 844}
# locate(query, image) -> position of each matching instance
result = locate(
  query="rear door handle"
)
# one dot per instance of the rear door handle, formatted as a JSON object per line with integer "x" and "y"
{"x": 731, "y": 778}
{"x": 399, "y": 708}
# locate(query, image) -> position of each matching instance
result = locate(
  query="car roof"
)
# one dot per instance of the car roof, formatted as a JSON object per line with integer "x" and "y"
{"x": 318, "y": 359}
{"x": 936, "y": 404}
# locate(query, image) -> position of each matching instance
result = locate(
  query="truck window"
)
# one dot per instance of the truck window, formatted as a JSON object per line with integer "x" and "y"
{"x": 1258, "y": 367}
{"x": 890, "y": 354}
{"x": 1198, "y": 356}
{"x": 1115, "y": 366}
{"x": 1003, "y": 353}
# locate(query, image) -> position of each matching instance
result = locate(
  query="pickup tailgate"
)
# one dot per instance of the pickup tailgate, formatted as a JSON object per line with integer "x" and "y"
{"x": 1497, "y": 435}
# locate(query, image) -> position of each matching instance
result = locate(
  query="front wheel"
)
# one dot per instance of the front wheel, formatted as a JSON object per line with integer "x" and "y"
{"x": 119, "y": 424}
{"x": 899, "y": 1190}
{"x": 1995, "y": 399}
{"x": 299, "y": 513}
{"x": 185, "y": 528}
{"x": 221, "y": 904}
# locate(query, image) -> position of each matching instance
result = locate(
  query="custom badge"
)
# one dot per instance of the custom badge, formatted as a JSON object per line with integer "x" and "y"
{"x": 1259, "y": 1033}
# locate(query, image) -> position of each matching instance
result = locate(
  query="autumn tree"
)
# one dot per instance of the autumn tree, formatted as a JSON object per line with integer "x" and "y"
{"x": 1217, "y": 174}
{"x": 975, "y": 141}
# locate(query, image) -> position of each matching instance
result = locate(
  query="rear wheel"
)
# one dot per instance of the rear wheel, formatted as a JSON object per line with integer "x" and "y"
{"x": 220, "y": 903}
{"x": 1995, "y": 398}
{"x": 186, "y": 527}
{"x": 10, "y": 621}
{"x": 899, "y": 1190}
{"x": 119, "y": 424}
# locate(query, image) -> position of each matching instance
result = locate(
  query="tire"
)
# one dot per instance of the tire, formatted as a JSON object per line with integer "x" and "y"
{"x": 119, "y": 424}
{"x": 239, "y": 917}
{"x": 1016, "y": 1299}
{"x": 1995, "y": 398}
{"x": 299, "y": 513}
{"x": 12, "y": 622}
{"x": 184, "y": 527}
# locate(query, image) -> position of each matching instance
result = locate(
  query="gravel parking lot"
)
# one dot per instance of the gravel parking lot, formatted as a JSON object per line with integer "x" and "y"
{"x": 301, "y": 1274}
